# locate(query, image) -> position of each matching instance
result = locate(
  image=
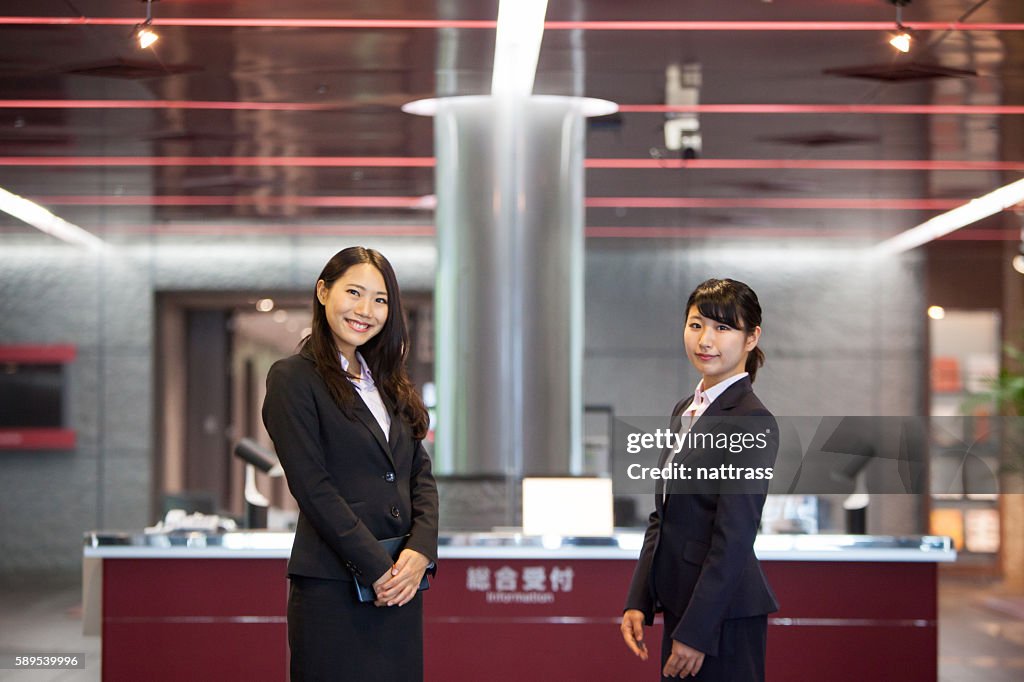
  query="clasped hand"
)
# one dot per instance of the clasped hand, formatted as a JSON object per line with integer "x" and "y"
{"x": 399, "y": 585}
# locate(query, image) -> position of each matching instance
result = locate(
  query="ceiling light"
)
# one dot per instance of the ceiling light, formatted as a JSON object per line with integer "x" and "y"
{"x": 902, "y": 39}
{"x": 936, "y": 312}
{"x": 144, "y": 32}
{"x": 38, "y": 217}
{"x": 147, "y": 36}
{"x": 1018, "y": 263}
{"x": 265, "y": 305}
{"x": 950, "y": 221}
{"x": 517, "y": 46}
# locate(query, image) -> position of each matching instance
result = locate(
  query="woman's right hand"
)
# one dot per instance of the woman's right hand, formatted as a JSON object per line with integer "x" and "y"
{"x": 633, "y": 632}
{"x": 379, "y": 583}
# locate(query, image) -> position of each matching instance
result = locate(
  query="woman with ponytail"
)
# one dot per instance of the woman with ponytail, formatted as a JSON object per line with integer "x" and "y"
{"x": 697, "y": 564}
{"x": 347, "y": 426}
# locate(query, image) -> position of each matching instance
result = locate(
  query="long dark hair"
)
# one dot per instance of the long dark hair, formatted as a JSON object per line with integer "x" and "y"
{"x": 735, "y": 304}
{"x": 385, "y": 353}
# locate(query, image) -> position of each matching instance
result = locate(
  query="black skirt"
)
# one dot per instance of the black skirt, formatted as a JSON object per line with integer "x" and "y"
{"x": 332, "y": 636}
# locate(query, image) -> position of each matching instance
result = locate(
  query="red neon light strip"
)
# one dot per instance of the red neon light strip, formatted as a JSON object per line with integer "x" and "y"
{"x": 429, "y": 162}
{"x": 201, "y": 22}
{"x": 164, "y": 104}
{"x": 302, "y": 161}
{"x": 257, "y": 229}
{"x": 781, "y": 203}
{"x": 491, "y": 24}
{"x": 38, "y": 355}
{"x": 427, "y": 203}
{"x": 803, "y": 164}
{"x": 822, "y": 109}
{"x": 667, "y": 232}
{"x": 613, "y": 232}
{"x": 185, "y": 200}
{"x": 776, "y": 26}
{"x": 601, "y": 232}
{"x": 625, "y": 108}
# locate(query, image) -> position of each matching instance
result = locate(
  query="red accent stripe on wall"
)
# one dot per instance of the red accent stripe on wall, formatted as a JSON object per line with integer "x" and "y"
{"x": 38, "y": 355}
{"x": 37, "y": 439}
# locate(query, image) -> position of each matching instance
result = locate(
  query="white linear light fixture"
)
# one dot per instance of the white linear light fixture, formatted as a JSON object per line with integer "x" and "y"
{"x": 974, "y": 210}
{"x": 517, "y": 46}
{"x": 38, "y": 217}
{"x": 516, "y": 52}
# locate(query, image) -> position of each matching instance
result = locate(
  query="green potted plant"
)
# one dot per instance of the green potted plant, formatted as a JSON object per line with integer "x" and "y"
{"x": 1006, "y": 394}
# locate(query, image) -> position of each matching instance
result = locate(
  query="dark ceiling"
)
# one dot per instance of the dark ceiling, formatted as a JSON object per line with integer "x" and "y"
{"x": 262, "y": 117}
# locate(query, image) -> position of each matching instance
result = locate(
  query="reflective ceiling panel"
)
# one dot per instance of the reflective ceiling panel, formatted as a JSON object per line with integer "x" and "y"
{"x": 284, "y": 117}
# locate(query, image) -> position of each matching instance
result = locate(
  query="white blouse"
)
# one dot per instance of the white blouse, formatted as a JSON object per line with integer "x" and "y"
{"x": 367, "y": 390}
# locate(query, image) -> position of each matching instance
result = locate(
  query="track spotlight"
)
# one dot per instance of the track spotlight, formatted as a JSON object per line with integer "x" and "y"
{"x": 144, "y": 32}
{"x": 902, "y": 39}
{"x": 146, "y": 36}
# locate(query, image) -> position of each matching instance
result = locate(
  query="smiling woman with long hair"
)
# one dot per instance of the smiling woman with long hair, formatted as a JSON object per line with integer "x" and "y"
{"x": 347, "y": 426}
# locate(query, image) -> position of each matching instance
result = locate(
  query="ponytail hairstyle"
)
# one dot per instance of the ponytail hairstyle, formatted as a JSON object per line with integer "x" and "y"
{"x": 735, "y": 304}
{"x": 385, "y": 353}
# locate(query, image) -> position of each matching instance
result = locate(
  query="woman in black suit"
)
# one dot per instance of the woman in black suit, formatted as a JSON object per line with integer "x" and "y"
{"x": 697, "y": 564}
{"x": 347, "y": 426}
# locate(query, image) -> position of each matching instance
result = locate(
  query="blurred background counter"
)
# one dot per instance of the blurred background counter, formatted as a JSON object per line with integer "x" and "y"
{"x": 506, "y": 605}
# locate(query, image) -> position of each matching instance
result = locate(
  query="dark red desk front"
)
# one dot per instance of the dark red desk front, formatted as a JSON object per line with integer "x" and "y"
{"x": 513, "y": 619}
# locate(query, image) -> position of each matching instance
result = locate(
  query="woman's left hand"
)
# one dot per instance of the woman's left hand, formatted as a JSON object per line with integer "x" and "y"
{"x": 684, "y": 661}
{"x": 405, "y": 579}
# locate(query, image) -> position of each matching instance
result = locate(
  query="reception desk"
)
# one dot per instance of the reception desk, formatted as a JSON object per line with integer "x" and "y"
{"x": 508, "y": 607}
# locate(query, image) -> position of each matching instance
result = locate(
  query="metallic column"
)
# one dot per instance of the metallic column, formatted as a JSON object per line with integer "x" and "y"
{"x": 509, "y": 294}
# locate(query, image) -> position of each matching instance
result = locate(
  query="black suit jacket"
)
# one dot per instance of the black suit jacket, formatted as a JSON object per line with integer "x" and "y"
{"x": 353, "y": 485}
{"x": 698, "y": 556}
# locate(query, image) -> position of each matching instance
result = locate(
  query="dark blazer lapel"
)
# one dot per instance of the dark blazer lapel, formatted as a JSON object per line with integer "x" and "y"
{"x": 674, "y": 424}
{"x": 395, "y": 429}
{"x": 721, "y": 407}
{"x": 364, "y": 415}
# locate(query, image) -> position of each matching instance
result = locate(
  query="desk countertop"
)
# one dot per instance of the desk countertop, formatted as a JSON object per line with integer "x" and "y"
{"x": 510, "y": 545}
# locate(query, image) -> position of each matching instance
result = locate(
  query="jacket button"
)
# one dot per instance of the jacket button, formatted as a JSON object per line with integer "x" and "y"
{"x": 390, "y": 477}
{"x": 395, "y": 512}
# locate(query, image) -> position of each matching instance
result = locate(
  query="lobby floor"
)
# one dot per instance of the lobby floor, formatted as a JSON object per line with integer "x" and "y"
{"x": 981, "y": 634}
